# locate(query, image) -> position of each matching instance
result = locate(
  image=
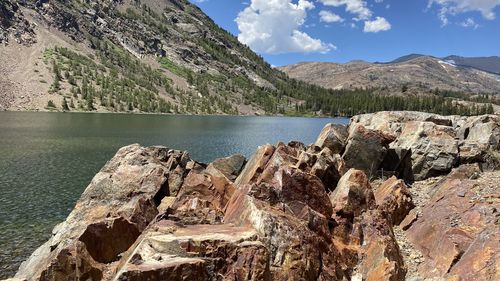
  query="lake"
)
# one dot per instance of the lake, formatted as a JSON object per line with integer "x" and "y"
{"x": 47, "y": 159}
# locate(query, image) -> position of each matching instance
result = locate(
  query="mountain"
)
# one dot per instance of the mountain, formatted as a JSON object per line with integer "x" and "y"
{"x": 489, "y": 64}
{"x": 167, "y": 56}
{"x": 413, "y": 73}
{"x": 133, "y": 56}
{"x": 406, "y": 58}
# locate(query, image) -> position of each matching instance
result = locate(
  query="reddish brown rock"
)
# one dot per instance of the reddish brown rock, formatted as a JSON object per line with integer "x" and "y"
{"x": 481, "y": 260}
{"x": 118, "y": 204}
{"x": 366, "y": 149}
{"x": 394, "y": 199}
{"x": 291, "y": 212}
{"x": 380, "y": 257}
{"x": 353, "y": 195}
{"x": 255, "y": 165}
{"x": 450, "y": 226}
{"x": 202, "y": 198}
{"x": 199, "y": 252}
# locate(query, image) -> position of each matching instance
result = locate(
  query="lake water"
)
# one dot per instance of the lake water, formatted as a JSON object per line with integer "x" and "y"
{"x": 47, "y": 159}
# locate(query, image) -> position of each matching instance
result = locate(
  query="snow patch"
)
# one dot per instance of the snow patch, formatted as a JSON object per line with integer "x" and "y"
{"x": 448, "y": 63}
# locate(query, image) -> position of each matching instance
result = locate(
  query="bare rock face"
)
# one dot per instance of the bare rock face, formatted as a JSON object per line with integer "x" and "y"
{"x": 170, "y": 251}
{"x": 478, "y": 136}
{"x": 393, "y": 122}
{"x": 457, "y": 231}
{"x": 434, "y": 148}
{"x": 230, "y": 167}
{"x": 431, "y": 141}
{"x": 366, "y": 149}
{"x": 333, "y": 137}
{"x": 116, "y": 207}
{"x": 202, "y": 198}
{"x": 394, "y": 199}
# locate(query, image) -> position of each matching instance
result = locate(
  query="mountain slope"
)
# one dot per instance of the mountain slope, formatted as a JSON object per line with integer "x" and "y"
{"x": 142, "y": 56}
{"x": 418, "y": 74}
{"x": 489, "y": 64}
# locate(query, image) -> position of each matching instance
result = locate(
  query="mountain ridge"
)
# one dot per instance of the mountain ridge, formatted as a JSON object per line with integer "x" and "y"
{"x": 422, "y": 73}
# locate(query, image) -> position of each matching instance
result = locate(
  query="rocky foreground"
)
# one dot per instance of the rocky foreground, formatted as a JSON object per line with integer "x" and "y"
{"x": 393, "y": 196}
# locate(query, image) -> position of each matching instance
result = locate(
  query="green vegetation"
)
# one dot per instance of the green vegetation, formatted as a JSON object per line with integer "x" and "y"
{"x": 50, "y": 104}
{"x": 117, "y": 81}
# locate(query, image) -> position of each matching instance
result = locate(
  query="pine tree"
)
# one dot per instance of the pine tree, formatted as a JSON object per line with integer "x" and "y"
{"x": 65, "y": 105}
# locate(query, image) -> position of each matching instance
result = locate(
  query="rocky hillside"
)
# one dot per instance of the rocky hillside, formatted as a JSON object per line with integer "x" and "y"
{"x": 131, "y": 55}
{"x": 161, "y": 56}
{"x": 345, "y": 208}
{"x": 411, "y": 74}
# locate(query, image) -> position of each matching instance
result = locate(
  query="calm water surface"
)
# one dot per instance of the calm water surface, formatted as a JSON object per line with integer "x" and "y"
{"x": 47, "y": 159}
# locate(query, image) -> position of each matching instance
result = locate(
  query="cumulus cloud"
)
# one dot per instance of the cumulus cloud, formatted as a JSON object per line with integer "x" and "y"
{"x": 357, "y": 7}
{"x": 453, "y": 7}
{"x": 376, "y": 25}
{"x": 272, "y": 27}
{"x": 329, "y": 17}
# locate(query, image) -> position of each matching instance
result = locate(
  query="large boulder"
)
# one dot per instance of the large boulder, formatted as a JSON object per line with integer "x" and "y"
{"x": 393, "y": 122}
{"x": 434, "y": 148}
{"x": 380, "y": 255}
{"x": 230, "y": 166}
{"x": 366, "y": 149}
{"x": 333, "y": 137}
{"x": 394, "y": 199}
{"x": 454, "y": 228}
{"x": 479, "y": 135}
{"x": 353, "y": 194}
{"x": 114, "y": 209}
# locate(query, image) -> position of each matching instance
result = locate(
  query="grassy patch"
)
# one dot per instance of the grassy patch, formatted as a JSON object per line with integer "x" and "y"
{"x": 174, "y": 68}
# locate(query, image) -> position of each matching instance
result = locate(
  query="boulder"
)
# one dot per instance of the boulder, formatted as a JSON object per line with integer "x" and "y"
{"x": 366, "y": 149}
{"x": 393, "y": 122}
{"x": 333, "y": 137}
{"x": 434, "y": 149}
{"x": 454, "y": 229}
{"x": 290, "y": 211}
{"x": 230, "y": 166}
{"x": 479, "y": 135}
{"x": 380, "y": 258}
{"x": 394, "y": 199}
{"x": 114, "y": 209}
{"x": 255, "y": 165}
{"x": 353, "y": 195}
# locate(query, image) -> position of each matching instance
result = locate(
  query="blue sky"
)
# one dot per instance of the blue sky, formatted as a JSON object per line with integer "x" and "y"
{"x": 290, "y": 31}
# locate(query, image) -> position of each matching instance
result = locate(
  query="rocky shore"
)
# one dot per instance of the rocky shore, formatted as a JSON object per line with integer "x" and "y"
{"x": 392, "y": 196}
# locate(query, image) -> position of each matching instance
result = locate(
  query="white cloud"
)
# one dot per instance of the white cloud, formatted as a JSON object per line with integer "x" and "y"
{"x": 469, "y": 22}
{"x": 453, "y": 7}
{"x": 272, "y": 27}
{"x": 329, "y": 17}
{"x": 357, "y": 7}
{"x": 379, "y": 24}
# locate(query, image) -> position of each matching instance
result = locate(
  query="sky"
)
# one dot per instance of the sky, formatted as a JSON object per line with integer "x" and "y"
{"x": 290, "y": 31}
